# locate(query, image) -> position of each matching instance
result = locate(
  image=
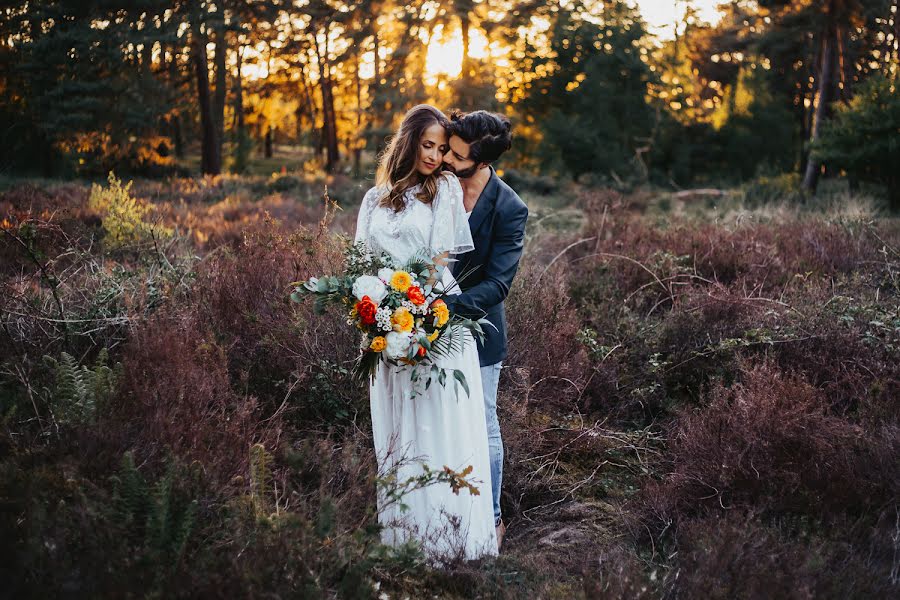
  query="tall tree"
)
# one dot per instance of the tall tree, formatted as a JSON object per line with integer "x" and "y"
{"x": 220, "y": 26}
{"x": 210, "y": 150}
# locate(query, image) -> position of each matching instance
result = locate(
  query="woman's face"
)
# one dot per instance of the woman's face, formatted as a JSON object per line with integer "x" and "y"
{"x": 432, "y": 147}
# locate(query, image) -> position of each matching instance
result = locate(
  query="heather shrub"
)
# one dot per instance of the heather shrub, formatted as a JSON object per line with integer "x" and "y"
{"x": 279, "y": 350}
{"x": 177, "y": 398}
{"x": 284, "y": 183}
{"x": 618, "y": 574}
{"x": 846, "y": 346}
{"x": 735, "y": 555}
{"x": 545, "y": 358}
{"x": 700, "y": 340}
{"x": 690, "y": 408}
{"x": 74, "y": 301}
{"x": 522, "y": 181}
{"x": 770, "y": 441}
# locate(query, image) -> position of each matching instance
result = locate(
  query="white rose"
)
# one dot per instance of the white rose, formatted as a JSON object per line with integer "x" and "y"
{"x": 370, "y": 286}
{"x": 397, "y": 345}
{"x": 385, "y": 274}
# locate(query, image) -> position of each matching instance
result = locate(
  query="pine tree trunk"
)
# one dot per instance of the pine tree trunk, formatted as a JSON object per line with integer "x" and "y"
{"x": 242, "y": 141}
{"x": 329, "y": 121}
{"x": 211, "y": 159}
{"x": 376, "y": 45}
{"x": 801, "y": 113}
{"x": 268, "y": 142}
{"x": 329, "y": 127}
{"x": 825, "y": 92}
{"x": 308, "y": 99}
{"x": 239, "y": 96}
{"x": 221, "y": 83}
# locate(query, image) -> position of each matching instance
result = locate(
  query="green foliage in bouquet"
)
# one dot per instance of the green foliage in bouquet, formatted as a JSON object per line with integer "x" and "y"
{"x": 401, "y": 312}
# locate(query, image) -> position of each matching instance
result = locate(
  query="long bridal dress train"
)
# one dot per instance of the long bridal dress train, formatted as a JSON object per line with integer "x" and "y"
{"x": 434, "y": 426}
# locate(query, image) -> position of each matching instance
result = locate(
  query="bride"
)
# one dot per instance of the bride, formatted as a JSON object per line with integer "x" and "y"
{"x": 415, "y": 207}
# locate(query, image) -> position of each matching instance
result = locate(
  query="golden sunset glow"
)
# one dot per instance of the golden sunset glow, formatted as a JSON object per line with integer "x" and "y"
{"x": 662, "y": 15}
{"x": 445, "y": 54}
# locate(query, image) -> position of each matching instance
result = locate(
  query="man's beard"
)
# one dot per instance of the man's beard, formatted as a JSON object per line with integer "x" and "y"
{"x": 465, "y": 173}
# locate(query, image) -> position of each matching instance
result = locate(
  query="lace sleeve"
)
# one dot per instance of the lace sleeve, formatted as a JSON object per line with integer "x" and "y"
{"x": 450, "y": 228}
{"x": 370, "y": 201}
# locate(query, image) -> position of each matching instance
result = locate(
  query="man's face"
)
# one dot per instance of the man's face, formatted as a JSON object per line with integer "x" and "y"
{"x": 457, "y": 159}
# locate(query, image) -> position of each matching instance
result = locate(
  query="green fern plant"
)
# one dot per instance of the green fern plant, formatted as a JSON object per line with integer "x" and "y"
{"x": 158, "y": 518}
{"x": 79, "y": 391}
{"x": 260, "y": 480}
{"x": 131, "y": 496}
{"x": 169, "y": 522}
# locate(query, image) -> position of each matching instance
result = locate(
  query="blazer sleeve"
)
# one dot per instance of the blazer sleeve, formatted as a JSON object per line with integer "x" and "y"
{"x": 499, "y": 269}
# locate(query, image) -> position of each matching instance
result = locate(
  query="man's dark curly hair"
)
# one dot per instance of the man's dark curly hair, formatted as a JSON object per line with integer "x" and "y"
{"x": 488, "y": 134}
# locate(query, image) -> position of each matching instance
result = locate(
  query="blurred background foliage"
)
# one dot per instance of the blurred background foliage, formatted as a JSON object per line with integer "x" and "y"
{"x": 168, "y": 87}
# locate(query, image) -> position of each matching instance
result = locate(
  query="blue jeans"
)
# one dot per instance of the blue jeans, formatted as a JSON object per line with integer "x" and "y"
{"x": 490, "y": 379}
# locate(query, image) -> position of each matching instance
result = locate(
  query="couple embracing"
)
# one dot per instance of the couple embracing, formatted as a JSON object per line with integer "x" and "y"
{"x": 437, "y": 191}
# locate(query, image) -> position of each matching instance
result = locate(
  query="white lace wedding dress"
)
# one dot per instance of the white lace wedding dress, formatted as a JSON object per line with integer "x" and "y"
{"x": 436, "y": 426}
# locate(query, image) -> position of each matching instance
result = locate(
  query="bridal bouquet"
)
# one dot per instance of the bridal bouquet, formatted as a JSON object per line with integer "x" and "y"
{"x": 399, "y": 311}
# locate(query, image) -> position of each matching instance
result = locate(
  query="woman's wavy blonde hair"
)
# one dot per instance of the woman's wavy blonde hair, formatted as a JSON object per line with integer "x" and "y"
{"x": 397, "y": 166}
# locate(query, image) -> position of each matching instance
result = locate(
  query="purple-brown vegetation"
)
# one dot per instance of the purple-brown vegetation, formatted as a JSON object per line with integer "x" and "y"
{"x": 690, "y": 409}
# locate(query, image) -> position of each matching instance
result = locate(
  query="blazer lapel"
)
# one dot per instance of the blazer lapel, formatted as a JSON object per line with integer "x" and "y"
{"x": 483, "y": 208}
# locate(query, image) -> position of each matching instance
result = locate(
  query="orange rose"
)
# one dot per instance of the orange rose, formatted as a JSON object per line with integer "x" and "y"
{"x": 415, "y": 295}
{"x": 366, "y": 310}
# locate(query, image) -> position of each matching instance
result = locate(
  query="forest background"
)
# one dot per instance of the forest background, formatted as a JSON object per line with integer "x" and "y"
{"x": 775, "y": 87}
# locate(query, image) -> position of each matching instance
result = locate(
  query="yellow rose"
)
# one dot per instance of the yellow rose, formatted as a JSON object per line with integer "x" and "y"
{"x": 402, "y": 320}
{"x": 441, "y": 313}
{"x": 378, "y": 344}
{"x": 401, "y": 280}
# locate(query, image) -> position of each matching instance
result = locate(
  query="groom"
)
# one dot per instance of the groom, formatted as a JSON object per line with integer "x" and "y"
{"x": 497, "y": 219}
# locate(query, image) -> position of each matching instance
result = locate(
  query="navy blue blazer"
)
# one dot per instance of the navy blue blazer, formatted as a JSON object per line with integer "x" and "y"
{"x": 498, "y": 233}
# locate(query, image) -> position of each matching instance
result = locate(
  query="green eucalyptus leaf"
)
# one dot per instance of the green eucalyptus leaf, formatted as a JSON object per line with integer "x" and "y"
{"x": 461, "y": 378}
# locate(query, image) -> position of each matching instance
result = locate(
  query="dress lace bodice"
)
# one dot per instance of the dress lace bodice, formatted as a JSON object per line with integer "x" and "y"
{"x": 439, "y": 227}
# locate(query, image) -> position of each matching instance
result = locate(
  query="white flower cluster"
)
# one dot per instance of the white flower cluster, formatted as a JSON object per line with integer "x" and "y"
{"x": 416, "y": 310}
{"x": 385, "y": 274}
{"x": 383, "y": 318}
{"x": 372, "y": 287}
{"x": 397, "y": 344}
